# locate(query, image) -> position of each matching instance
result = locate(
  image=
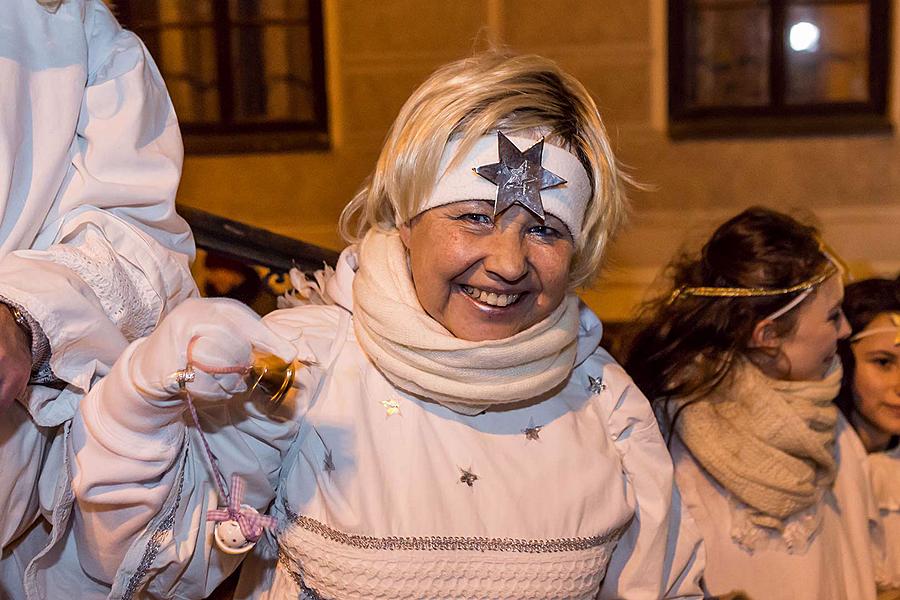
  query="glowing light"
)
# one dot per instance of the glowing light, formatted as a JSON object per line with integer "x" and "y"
{"x": 804, "y": 37}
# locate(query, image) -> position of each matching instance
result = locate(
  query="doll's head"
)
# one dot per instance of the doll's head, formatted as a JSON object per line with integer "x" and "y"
{"x": 453, "y": 119}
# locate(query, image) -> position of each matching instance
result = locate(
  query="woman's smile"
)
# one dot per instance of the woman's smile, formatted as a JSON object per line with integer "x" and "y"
{"x": 491, "y": 298}
{"x": 484, "y": 276}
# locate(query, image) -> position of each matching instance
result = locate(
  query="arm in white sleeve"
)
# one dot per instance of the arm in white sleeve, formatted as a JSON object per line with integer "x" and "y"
{"x": 112, "y": 256}
{"x": 661, "y": 554}
{"x": 124, "y": 467}
{"x": 137, "y": 453}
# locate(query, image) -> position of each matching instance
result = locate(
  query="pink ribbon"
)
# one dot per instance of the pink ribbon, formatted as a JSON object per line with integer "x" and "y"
{"x": 251, "y": 522}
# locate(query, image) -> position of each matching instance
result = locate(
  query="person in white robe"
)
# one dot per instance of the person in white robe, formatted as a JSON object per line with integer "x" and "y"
{"x": 453, "y": 429}
{"x": 92, "y": 253}
{"x": 870, "y": 400}
{"x": 740, "y": 359}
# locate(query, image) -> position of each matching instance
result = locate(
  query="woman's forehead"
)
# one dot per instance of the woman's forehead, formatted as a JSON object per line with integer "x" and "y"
{"x": 883, "y": 340}
{"x": 877, "y": 342}
{"x": 828, "y": 296}
{"x": 831, "y": 292}
{"x": 885, "y": 319}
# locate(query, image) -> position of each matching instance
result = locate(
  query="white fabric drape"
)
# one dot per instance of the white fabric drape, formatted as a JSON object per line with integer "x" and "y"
{"x": 90, "y": 159}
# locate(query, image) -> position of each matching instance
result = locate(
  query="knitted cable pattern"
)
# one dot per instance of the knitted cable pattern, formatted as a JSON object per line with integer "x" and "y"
{"x": 351, "y": 567}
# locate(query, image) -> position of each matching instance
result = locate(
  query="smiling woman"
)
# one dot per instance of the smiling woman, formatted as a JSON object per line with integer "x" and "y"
{"x": 447, "y": 372}
{"x": 741, "y": 362}
{"x": 870, "y": 398}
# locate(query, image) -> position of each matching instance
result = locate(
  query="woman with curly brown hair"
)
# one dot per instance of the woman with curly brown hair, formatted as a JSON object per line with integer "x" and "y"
{"x": 740, "y": 360}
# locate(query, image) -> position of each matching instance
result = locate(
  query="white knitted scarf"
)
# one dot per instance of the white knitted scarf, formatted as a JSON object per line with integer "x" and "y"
{"x": 420, "y": 356}
{"x": 768, "y": 442}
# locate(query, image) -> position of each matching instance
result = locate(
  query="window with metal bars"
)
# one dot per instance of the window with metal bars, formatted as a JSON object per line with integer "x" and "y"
{"x": 772, "y": 67}
{"x": 244, "y": 75}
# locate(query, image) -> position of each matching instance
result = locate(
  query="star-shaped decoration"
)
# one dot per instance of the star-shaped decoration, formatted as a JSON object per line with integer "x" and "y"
{"x": 595, "y": 384}
{"x": 328, "y": 463}
{"x": 519, "y": 176}
{"x": 532, "y": 432}
{"x": 468, "y": 477}
{"x": 391, "y": 407}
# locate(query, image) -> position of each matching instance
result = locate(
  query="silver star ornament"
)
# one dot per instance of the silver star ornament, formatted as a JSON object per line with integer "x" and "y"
{"x": 595, "y": 384}
{"x": 391, "y": 407}
{"x": 467, "y": 477}
{"x": 532, "y": 432}
{"x": 519, "y": 176}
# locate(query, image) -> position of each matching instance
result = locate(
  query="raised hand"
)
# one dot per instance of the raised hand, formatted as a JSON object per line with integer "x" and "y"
{"x": 212, "y": 339}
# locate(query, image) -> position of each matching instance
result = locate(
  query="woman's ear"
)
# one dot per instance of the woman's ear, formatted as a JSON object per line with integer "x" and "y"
{"x": 765, "y": 336}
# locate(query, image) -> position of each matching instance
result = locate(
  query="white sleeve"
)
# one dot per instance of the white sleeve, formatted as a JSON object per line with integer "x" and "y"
{"x": 115, "y": 256}
{"x": 661, "y": 555}
{"x": 143, "y": 483}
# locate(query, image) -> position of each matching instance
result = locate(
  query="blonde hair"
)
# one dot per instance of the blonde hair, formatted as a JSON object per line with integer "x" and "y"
{"x": 469, "y": 98}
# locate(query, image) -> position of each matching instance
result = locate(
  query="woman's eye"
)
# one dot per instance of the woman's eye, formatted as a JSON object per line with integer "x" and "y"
{"x": 883, "y": 363}
{"x": 835, "y": 316}
{"x": 545, "y": 231}
{"x": 476, "y": 218}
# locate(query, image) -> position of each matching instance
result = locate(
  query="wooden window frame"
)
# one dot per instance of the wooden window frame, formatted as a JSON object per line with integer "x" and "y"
{"x": 778, "y": 118}
{"x": 227, "y": 136}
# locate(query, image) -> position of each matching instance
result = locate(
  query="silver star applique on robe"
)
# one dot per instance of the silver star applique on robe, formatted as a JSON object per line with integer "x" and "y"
{"x": 595, "y": 384}
{"x": 532, "y": 432}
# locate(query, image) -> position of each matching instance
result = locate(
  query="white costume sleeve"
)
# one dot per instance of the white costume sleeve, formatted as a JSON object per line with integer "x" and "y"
{"x": 110, "y": 256}
{"x": 142, "y": 479}
{"x": 661, "y": 554}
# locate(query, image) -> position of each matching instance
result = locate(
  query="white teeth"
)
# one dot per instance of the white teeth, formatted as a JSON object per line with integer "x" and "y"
{"x": 491, "y": 298}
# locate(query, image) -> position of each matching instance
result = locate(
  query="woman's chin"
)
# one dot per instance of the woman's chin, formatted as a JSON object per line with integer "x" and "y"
{"x": 482, "y": 331}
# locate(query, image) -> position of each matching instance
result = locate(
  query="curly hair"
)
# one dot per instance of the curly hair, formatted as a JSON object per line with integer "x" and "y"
{"x": 687, "y": 347}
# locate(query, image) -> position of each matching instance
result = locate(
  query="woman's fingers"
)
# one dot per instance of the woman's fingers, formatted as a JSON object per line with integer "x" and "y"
{"x": 249, "y": 325}
{"x": 222, "y": 339}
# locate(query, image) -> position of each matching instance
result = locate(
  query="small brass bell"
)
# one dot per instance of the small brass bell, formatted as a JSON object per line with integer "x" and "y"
{"x": 274, "y": 377}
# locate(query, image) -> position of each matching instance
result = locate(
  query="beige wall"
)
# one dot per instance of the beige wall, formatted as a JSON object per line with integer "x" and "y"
{"x": 378, "y": 52}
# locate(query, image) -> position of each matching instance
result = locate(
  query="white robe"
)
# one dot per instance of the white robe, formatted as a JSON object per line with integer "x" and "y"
{"x": 884, "y": 470}
{"x": 369, "y": 485}
{"x": 839, "y": 563}
{"x": 90, "y": 245}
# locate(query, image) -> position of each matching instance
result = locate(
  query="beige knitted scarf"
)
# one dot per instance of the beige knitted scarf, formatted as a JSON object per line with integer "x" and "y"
{"x": 768, "y": 442}
{"x": 420, "y": 356}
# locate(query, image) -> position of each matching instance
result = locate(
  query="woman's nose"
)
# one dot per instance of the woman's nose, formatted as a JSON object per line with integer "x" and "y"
{"x": 505, "y": 256}
{"x": 844, "y": 330}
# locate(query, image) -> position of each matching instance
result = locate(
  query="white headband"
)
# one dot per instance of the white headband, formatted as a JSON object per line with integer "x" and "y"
{"x": 838, "y": 265}
{"x": 566, "y": 201}
{"x": 789, "y": 306}
{"x": 895, "y": 320}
